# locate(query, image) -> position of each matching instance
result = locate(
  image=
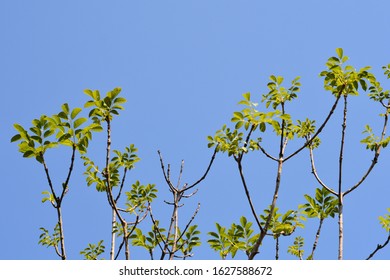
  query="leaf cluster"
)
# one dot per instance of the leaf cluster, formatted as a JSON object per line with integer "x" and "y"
{"x": 93, "y": 251}
{"x": 297, "y": 248}
{"x": 239, "y": 237}
{"x": 189, "y": 240}
{"x": 46, "y": 132}
{"x": 372, "y": 141}
{"x": 234, "y": 142}
{"x": 323, "y": 205}
{"x": 48, "y": 240}
{"x": 148, "y": 241}
{"x": 376, "y": 91}
{"x": 140, "y": 196}
{"x": 104, "y": 108}
{"x": 157, "y": 237}
{"x": 96, "y": 176}
{"x": 282, "y": 224}
{"x": 385, "y": 221}
{"x": 278, "y": 95}
{"x": 346, "y": 80}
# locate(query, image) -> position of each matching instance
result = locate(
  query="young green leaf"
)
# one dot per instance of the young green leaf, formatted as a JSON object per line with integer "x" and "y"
{"x": 75, "y": 112}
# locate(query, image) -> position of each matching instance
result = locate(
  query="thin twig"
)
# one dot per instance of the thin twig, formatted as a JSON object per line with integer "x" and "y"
{"x": 65, "y": 185}
{"x": 248, "y": 196}
{"x": 191, "y": 194}
{"x": 321, "y": 127}
{"x": 180, "y": 174}
{"x": 206, "y": 172}
{"x": 121, "y": 186}
{"x": 265, "y": 153}
{"x": 49, "y": 181}
{"x": 167, "y": 180}
{"x": 314, "y": 172}
{"x": 379, "y": 247}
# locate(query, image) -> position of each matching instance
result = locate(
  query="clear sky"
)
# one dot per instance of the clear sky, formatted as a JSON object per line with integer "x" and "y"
{"x": 183, "y": 66}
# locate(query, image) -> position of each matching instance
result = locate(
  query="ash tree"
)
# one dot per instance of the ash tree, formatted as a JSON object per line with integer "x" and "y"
{"x": 174, "y": 236}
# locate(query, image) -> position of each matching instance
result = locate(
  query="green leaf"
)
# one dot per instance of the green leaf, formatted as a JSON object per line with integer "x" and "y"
{"x": 120, "y": 100}
{"x": 65, "y": 108}
{"x": 19, "y": 128}
{"x": 89, "y": 103}
{"x": 96, "y": 95}
{"x": 339, "y": 52}
{"x": 247, "y": 96}
{"x": 28, "y": 154}
{"x": 49, "y": 197}
{"x": 16, "y": 138}
{"x": 88, "y": 92}
{"x": 239, "y": 124}
{"x": 363, "y": 84}
{"x": 63, "y": 115}
{"x": 75, "y": 112}
{"x": 279, "y": 80}
{"x": 108, "y": 101}
{"x": 48, "y": 133}
{"x": 79, "y": 122}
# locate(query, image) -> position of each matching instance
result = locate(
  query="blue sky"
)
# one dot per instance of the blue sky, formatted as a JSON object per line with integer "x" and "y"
{"x": 183, "y": 66}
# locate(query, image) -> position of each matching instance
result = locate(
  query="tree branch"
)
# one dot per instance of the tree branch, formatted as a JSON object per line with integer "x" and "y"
{"x": 379, "y": 247}
{"x": 248, "y": 196}
{"x": 206, "y": 172}
{"x": 265, "y": 153}
{"x": 167, "y": 180}
{"x": 65, "y": 185}
{"x": 321, "y": 127}
{"x": 186, "y": 227}
{"x": 49, "y": 181}
{"x": 180, "y": 174}
{"x": 121, "y": 186}
{"x": 314, "y": 172}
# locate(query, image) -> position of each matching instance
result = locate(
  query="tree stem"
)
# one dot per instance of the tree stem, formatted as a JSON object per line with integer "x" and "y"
{"x": 340, "y": 191}
{"x": 61, "y": 229}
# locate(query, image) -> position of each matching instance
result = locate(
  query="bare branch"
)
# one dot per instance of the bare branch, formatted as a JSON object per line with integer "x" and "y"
{"x": 49, "y": 181}
{"x": 283, "y": 139}
{"x": 65, "y": 185}
{"x": 166, "y": 176}
{"x": 314, "y": 171}
{"x": 321, "y": 127}
{"x": 180, "y": 174}
{"x": 248, "y": 196}
{"x": 265, "y": 153}
{"x": 206, "y": 172}
{"x": 121, "y": 186}
{"x": 379, "y": 247}
{"x": 191, "y": 194}
{"x": 384, "y": 105}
